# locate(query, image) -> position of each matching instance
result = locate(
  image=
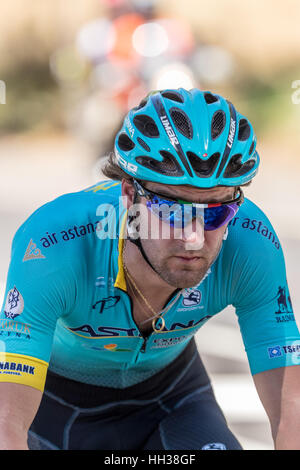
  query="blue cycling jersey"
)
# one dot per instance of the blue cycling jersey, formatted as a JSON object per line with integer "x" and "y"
{"x": 66, "y": 306}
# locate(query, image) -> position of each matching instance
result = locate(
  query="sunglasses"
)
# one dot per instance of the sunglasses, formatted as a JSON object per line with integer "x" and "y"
{"x": 178, "y": 213}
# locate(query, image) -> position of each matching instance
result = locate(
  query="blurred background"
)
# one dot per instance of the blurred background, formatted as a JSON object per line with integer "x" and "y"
{"x": 72, "y": 69}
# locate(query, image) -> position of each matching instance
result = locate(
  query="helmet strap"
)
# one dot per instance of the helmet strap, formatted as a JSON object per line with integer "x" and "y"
{"x": 137, "y": 241}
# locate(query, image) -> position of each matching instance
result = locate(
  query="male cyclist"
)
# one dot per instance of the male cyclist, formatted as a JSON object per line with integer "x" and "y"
{"x": 108, "y": 286}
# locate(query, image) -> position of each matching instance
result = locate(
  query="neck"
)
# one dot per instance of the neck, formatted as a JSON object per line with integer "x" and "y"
{"x": 151, "y": 284}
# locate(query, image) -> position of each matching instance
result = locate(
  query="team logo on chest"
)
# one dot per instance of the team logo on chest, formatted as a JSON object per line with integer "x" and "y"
{"x": 191, "y": 297}
{"x": 106, "y": 303}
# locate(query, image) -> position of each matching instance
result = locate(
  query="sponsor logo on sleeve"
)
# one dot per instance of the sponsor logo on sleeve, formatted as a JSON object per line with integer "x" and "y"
{"x": 284, "y": 312}
{"x": 25, "y": 370}
{"x": 11, "y": 328}
{"x": 14, "y": 304}
{"x": 274, "y": 351}
{"x": 292, "y": 350}
{"x": 16, "y": 368}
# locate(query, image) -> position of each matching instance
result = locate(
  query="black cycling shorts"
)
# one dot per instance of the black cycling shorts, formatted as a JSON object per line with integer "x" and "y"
{"x": 175, "y": 410}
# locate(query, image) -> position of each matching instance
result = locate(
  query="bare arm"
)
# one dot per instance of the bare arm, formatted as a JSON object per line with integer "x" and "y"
{"x": 279, "y": 391}
{"x": 19, "y": 405}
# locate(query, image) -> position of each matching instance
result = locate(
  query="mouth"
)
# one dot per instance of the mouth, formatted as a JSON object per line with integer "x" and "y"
{"x": 188, "y": 259}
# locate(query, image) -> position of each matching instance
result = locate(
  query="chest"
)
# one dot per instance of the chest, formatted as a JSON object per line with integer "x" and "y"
{"x": 145, "y": 313}
{"x": 109, "y": 312}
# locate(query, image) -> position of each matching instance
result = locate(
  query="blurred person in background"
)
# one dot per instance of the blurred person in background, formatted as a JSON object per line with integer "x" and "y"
{"x": 101, "y": 308}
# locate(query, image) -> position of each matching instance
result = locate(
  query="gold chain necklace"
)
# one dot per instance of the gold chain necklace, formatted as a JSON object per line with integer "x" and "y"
{"x": 139, "y": 300}
{"x": 156, "y": 316}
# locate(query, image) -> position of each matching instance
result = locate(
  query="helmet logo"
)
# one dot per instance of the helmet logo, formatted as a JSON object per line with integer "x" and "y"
{"x": 231, "y": 133}
{"x": 126, "y": 165}
{"x": 168, "y": 128}
{"x": 129, "y": 126}
{"x": 158, "y": 104}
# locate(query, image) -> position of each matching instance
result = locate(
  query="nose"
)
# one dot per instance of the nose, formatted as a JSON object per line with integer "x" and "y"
{"x": 192, "y": 234}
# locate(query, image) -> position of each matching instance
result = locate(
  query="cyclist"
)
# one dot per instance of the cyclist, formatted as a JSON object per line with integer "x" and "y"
{"x": 101, "y": 306}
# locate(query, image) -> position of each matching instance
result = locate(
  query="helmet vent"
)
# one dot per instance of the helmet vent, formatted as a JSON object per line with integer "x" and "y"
{"x": 203, "y": 168}
{"x": 141, "y": 105}
{"x": 236, "y": 168}
{"x": 244, "y": 130}
{"x": 182, "y": 122}
{"x": 173, "y": 95}
{"x": 210, "y": 98}
{"x": 125, "y": 143}
{"x": 143, "y": 144}
{"x": 218, "y": 124}
{"x": 146, "y": 125}
{"x": 251, "y": 147}
{"x": 169, "y": 166}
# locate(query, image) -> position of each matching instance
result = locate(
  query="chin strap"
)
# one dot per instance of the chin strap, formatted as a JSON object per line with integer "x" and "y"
{"x": 137, "y": 241}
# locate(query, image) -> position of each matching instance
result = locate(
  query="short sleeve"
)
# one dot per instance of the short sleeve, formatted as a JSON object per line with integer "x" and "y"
{"x": 261, "y": 296}
{"x": 35, "y": 298}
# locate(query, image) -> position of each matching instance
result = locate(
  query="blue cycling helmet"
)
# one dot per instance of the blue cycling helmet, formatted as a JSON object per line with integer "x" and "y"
{"x": 190, "y": 137}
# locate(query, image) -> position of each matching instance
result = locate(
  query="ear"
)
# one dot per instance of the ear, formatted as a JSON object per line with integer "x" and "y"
{"x": 128, "y": 193}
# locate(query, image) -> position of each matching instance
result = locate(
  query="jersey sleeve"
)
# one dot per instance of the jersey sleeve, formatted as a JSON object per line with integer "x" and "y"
{"x": 261, "y": 297}
{"x": 35, "y": 297}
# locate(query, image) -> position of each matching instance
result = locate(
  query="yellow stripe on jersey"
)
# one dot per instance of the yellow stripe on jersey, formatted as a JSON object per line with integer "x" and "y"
{"x": 25, "y": 370}
{"x": 102, "y": 186}
{"x": 120, "y": 280}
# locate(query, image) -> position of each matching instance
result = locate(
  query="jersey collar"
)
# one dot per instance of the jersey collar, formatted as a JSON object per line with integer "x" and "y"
{"x": 120, "y": 282}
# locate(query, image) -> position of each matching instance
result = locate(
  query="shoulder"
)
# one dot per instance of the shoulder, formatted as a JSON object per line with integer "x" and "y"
{"x": 251, "y": 229}
{"x": 71, "y": 216}
{"x": 252, "y": 249}
{"x": 71, "y": 208}
{"x": 251, "y": 259}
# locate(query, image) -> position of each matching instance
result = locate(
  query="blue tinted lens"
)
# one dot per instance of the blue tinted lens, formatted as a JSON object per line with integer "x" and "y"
{"x": 176, "y": 214}
{"x": 215, "y": 217}
{"x": 179, "y": 215}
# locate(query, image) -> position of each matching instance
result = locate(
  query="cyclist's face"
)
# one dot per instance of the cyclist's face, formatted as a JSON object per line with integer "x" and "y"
{"x": 182, "y": 256}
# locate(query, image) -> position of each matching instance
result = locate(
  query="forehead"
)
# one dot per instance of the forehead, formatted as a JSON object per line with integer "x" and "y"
{"x": 219, "y": 193}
